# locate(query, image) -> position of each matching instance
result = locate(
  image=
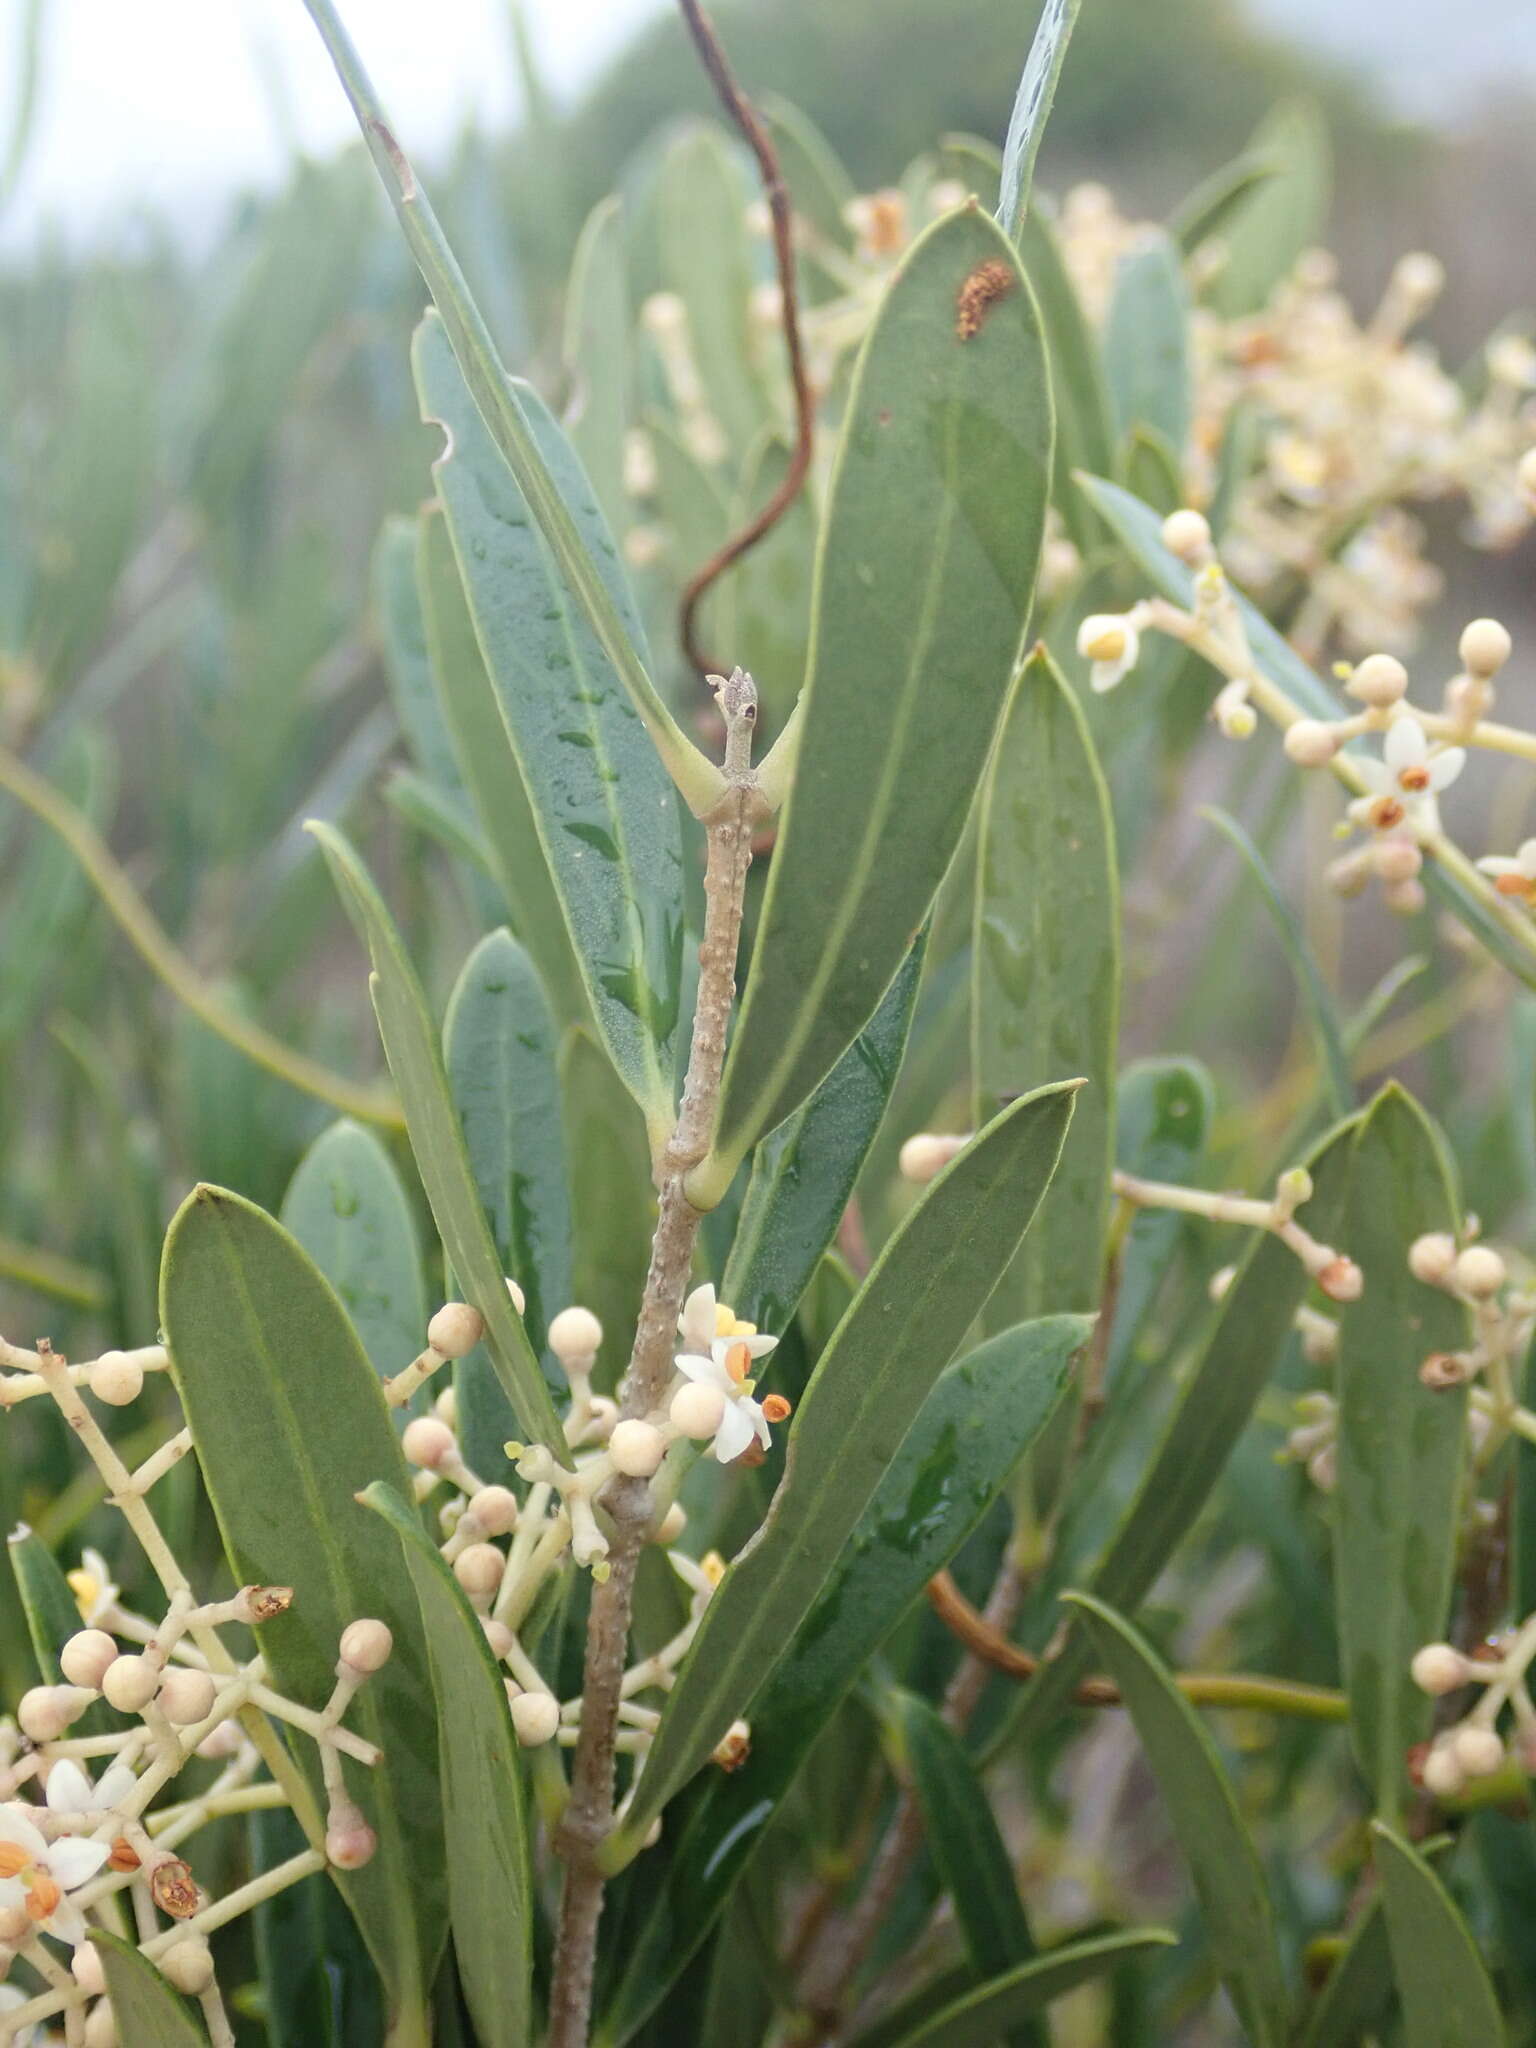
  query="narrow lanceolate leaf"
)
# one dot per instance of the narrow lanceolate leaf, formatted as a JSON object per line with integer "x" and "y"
{"x": 1217, "y": 200}
{"x": 1045, "y": 969}
{"x": 1146, "y": 343}
{"x": 1283, "y": 215}
{"x": 597, "y": 338}
{"x": 1031, "y": 106}
{"x": 411, "y": 1047}
{"x": 397, "y": 603}
{"x": 290, "y": 1421}
{"x": 983, "y": 1414}
{"x": 1397, "y": 1506}
{"x": 500, "y": 1050}
{"x": 987, "y": 2011}
{"x": 490, "y": 1885}
{"x": 1223, "y": 1862}
{"x": 52, "y": 1617}
{"x": 923, "y": 1293}
{"x": 604, "y": 809}
{"x": 145, "y": 2008}
{"x": 1084, "y": 434}
{"x": 348, "y": 1208}
{"x": 707, "y": 258}
{"x": 1447, "y": 1996}
{"x": 804, "y": 1172}
{"x": 923, "y": 583}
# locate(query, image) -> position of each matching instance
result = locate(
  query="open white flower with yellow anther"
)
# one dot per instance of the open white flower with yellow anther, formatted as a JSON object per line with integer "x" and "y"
{"x": 724, "y": 1371}
{"x": 36, "y": 1874}
{"x": 704, "y": 1319}
{"x": 91, "y": 1583}
{"x": 1515, "y": 877}
{"x": 1111, "y": 642}
{"x": 1404, "y": 783}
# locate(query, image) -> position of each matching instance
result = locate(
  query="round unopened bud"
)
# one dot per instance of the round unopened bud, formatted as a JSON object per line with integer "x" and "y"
{"x": 925, "y": 1155}
{"x": 16, "y": 1926}
{"x": 116, "y": 1379}
{"x": 1407, "y": 899}
{"x": 1237, "y": 721}
{"x": 85, "y": 1968}
{"x": 478, "y": 1568}
{"x": 1187, "y": 534}
{"x": 734, "y": 1747}
{"x": 456, "y": 1329}
{"x": 221, "y": 1742}
{"x": 85, "y": 1657}
{"x": 130, "y": 1683}
{"x": 366, "y": 1645}
{"x": 535, "y": 1717}
{"x": 602, "y": 1415}
{"x": 427, "y": 1442}
{"x": 1484, "y": 647}
{"x": 1480, "y": 1271}
{"x": 671, "y": 1525}
{"x": 1341, "y": 1280}
{"x": 1420, "y": 276}
{"x": 446, "y": 1407}
{"x": 47, "y": 1710}
{"x": 1380, "y": 681}
{"x": 1438, "y": 1669}
{"x": 495, "y": 1509}
{"x": 1396, "y": 861}
{"x": 1479, "y": 1751}
{"x": 1525, "y": 476}
{"x": 1310, "y": 743}
{"x": 1441, "y": 1773}
{"x": 186, "y": 1697}
{"x": 574, "y": 1336}
{"x": 696, "y": 1410}
{"x": 1323, "y": 1468}
{"x": 1432, "y": 1258}
{"x": 498, "y": 1635}
{"x": 100, "y": 2030}
{"x": 189, "y": 1965}
{"x": 349, "y": 1841}
{"x": 636, "y": 1448}
{"x": 1294, "y": 1187}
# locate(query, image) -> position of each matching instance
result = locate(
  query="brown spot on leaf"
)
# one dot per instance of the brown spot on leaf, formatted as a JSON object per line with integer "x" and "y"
{"x": 981, "y": 291}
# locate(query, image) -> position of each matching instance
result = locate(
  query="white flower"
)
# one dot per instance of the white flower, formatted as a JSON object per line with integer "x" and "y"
{"x": 95, "y": 1594}
{"x": 1111, "y": 642}
{"x": 71, "y": 1791}
{"x": 35, "y": 1874}
{"x": 1515, "y": 877}
{"x": 725, "y": 1368}
{"x": 1404, "y": 783}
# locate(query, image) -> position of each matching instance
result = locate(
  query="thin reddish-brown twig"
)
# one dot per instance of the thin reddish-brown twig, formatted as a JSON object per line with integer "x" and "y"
{"x": 713, "y": 58}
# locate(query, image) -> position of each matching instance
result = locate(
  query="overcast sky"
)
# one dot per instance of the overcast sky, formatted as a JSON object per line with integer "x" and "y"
{"x": 164, "y": 101}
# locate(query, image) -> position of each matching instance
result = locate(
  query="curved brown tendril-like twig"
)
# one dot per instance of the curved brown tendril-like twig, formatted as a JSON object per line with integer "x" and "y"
{"x": 718, "y": 70}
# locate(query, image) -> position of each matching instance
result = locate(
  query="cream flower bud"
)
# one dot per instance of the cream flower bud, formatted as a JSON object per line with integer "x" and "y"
{"x": 446, "y": 1407}
{"x": 535, "y": 1717}
{"x": 1438, "y": 1669}
{"x": 478, "y": 1568}
{"x": 1441, "y": 1773}
{"x": 1479, "y": 1751}
{"x": 426, "y": 1442}
{"x": 1396, "y": 860}
{"x": 116, "y": 1379}
{"x": 16, "y": 1926}
{"x": 602, "y": 1415}
{"x": 636, "y": 1448}
{"x": 1525, "y": 476}
{"x": 1480, "y": 1271}
{"x": 1310, "y": 743}
{"x": 1380, "y": 681}
{"x": 47, "y": 1710}
{"x": 671, "y": 1525}
{"x": 1323, "y": 1469}
{"x": 1407, "y": 899}
{"x": 1187, "y": 534}
{"x": 1432, "y": 1258}
{"x": 498, "y": 1635}
{"x": 85, "y": 1657}
{"x": 85, "y": 1968}
{"x": 519, "y": 1299}
{"x": 734, "y": 1747}
{"x": 455, "y": 1330}
{"x": 100, "y": 2029}
{"x": 221, "y": 1742}
{"x": 495, "y": 1509}
{"x": 925, "y": 1155}
{"x": 574, "y": 1337}
{"x": 189, "y": 1965}
{"x": 130, "y": 1683}
{"x": 1420, "y": 276}
{"x": 1104, "y": 636}
{"x": 366, "y": 1645}
{"x": 349, "y": 1841}
{"x": 1484, "y": 647}
{"x": 696, "y": 1409}
{"x": 186, "y": 1697}
{"x": 1341, "y": 1280}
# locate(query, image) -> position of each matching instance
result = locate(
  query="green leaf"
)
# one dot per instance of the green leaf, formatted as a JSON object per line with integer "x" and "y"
{"x": 804, "y": 1172}
{"x": 490, "y": 1882}
{"x": 499, "y": 1048}
{"x": 1235, "y": 1905}
{"x": 983, "y": 1413}
{"x": 819, "y": 186}
{"x": 398, "y": 603}
{"x": 1339, "y": 1090}
{"x": 1447, "y": 1997}
{"x": 1080, "y": 397}
{"x": 52, "y": 1617}
{"x": 921, "y": 1296}
{"x": 1359, "y": 1991}
{"x": 1045, "y": 970}
{"x": 708, "y": 259}
{"x": 605, "y": 812}
{"x": 348, "y": 1208}
{"x": 144, "y": 2006}
{"x": 411, "y": 1047}
{"x": 926, "y": 568}
{"x": 1007, "y": 2000}
{"x": 613, "y": 1202}
{"x": 1281, "y": 217}
{"x": 290, "y": 1421}
{"x": 48, "y": 899}
{"x": 597, "y": 339}
{"x": 1219, "y": 199}
{"x": 320, "y": 1990}
{"x": 1401, "y": 1446}
{"x": 1032, "y": 106}
{"x": 1146, "y": 343}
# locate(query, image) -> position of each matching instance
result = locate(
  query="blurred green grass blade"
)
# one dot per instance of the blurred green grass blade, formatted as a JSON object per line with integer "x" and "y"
{"x": 489, "y": 767}
{"x": 22, "y": 113}
{"x": 1164, "y": 1111}
{"x": 1216, "y": 202}
{"x": 1032, "y": 106}
{"x": 1448, "y": 1998}
{"x": 982, "y": 1415}
{"x": 803, "y": 1173}
{"x": 48, "y": 1272}
{"x": 1084, "y": 436}
{"x": 906, "y": 1322}
{"x": 1235, "y": 1905}
{"x": 1281, "y": 217}
{"x": 129, "y": 1172}
{"x": 924, "y": 580}
{"x": 1151, "y": 469}
{"x": 500, "y": 408}
{"x": 1146, "y": 344}
{"x": 613, "y": 1201}
{"x": 490, "y": 1883}
{"x": 596, "y": 350}
{"x": 963, "y": 1838}
{"x": 52, "y": 1616}
{"x": 438, "y": 818}
{"x": 1045, "y": 971}
{"x": 145, "y": 2009}
{"x": 500, "y": 1052}
{"x": 1338, "y": 1089}
{"x": 347, "y": 1206}
{"x": 290, "y": 1421}
{"x": 709, "y": 258}
{"x": 399, "y": 607}
{"x": 1003, "y": 2003}
{"x": 416, "y": 1061}
{"x": 604, "y": 810}
{"x": 1401, "y": 1445}
{"x": 47, "y": 897}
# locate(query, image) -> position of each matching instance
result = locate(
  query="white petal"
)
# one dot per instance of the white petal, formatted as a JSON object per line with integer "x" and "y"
{"x": 75, "y": 1859}
{"x": 696, "y": 1324}
{"x": 1445, "y": 768}
{"x": 759, "y": 1423}
{"x": 1525, "y": 858}
{"x": 116, "y": 1786}
{"x": 705, "y": 1371}
{"x": 15, "y": 1827}
{"x": 12, "y": 1893}
{"x": 735, "y": 1431}
{"x": 1376, "y": 775}
{"x": 1496, "y": 864}
{"x": 1105, "y": 674}
{"x": 1406, "y": 746}
{"x": 69, "y": 1789}
{"x": 759, "y": 1347}
{"x": 67, "y": 1922}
